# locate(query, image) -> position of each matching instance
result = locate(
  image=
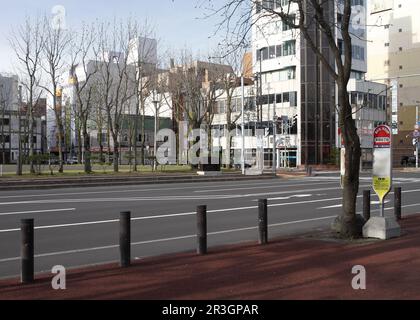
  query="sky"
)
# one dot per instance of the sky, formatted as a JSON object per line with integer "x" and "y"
{"x": 178, "y": 23}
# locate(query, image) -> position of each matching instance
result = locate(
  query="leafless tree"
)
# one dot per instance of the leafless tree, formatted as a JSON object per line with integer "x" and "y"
{"x": 116, "y": 76}
{"x": 230, "y": 81}
{"x": 28, "y": 42}
{"x": 194, "y": 87}
{"x": 313, "y": 16}
{"x": 83, "y": 89}
{"x": 55, "y": 48}
{"x": 144, "y": 47}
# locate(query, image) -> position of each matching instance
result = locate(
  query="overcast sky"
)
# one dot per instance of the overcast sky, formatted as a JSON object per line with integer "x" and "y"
{"x": 178, "y": 23}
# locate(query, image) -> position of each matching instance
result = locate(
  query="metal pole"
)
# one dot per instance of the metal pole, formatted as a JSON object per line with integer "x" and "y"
{"x": 155, "y": 136}
{"x": 275, "y": 138}
{"x": 262, "y": 221}
{"x": 382, "y": 209}
{"x": 125, "y": 239}
{"x": 397, "y": 203}
{"x": 366, "y": 204}
{"x": 417, "y": 144}
{"x": 243, "y": 125}
{"x": 202, "y": 230}
{"x": 27, "y": 250}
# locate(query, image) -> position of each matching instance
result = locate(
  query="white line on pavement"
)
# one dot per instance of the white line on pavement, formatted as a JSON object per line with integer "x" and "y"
{"x": 167, "y": 215}
{"x": 129, "y": 190}
{"x": 265, "y": 187}
{"x": 36, "y": 211}
{"x": 165, "y": 239}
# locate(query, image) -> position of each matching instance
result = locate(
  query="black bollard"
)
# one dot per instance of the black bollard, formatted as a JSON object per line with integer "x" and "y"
{"x": 366, "y": 204}
{"x": 397, "y": 203}
{"x": 202, "y": 230}
{"x": 262, "y": 221}
{"x": 27, "y": 250}
{"x": 125, "y": 239}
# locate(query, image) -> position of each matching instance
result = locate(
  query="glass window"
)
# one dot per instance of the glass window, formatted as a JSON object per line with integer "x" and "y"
{"x": 272, "y": 52}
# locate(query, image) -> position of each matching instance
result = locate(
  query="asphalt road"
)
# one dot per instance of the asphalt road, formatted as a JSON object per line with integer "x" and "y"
{"x": 79, "y": 226}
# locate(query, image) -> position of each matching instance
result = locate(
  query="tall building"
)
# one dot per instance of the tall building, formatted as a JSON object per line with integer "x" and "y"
{"x": 14, "y": 122}
{"x": 394, "y": 51}
{"x": 293, "y": 83}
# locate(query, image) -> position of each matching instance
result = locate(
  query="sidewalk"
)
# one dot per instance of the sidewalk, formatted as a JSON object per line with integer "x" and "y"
{"x": 288, "y": 268}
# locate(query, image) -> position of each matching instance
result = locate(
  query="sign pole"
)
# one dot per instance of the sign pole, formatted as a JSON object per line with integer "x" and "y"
{"x": 382, "y": 227}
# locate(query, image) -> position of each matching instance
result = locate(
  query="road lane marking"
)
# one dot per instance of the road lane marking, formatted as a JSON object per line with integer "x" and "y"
{"x": 78, "y": 224}
{"x": 265, "y": 187}
{"x": 36, "y": 211}
{"x": 167, "y": 198}
{"x": 132, "y": 190}
{"x": 215, "y": 233}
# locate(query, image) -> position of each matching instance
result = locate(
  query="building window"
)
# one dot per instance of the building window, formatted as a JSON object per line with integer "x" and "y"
{"x": 289, "y": 48}
{"x": 387, "y": 44}
{"x": 4, "y": 122}
{"x": 5, "y": 139}
{"x": 272, "y": 52}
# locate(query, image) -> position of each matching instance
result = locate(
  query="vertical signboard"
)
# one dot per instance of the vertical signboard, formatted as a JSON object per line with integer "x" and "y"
{"x": 382, "y": 163}
{"x": 394, "y": 94}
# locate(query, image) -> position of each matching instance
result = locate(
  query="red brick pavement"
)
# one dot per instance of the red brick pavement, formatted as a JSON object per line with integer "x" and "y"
{"x": 288, "y": 268}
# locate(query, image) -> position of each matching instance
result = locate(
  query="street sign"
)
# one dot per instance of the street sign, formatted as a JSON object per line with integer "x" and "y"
{"x": 382, "y": 163}
{"x": 343, "y": 166}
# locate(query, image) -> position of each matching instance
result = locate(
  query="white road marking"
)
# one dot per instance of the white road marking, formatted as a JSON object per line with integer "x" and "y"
{"x": 36, "y": 211}
{"x": 166, "y": 198}
{"x": 78, "y": 224}
{"x": 165, "y": 239}
{"x": 128, "y": 190}
{"x": 265, "y": 187}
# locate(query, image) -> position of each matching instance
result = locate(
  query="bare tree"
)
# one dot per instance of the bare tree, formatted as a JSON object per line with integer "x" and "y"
{"x": 194, "y": 87}
{"x": 230, "y": 81}
{"x": 82, "y": 49}
{"x": 56, "y": 44}
{"x": 27, "y": 42}
{"x": 116, "y": 76}
{"x": 313, "y": 17}
{"x": 144, "y": 50}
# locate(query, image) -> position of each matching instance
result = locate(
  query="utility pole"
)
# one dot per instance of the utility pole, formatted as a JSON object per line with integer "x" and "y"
{"x": 155, "y": 102}
{"x": 417, "y": 144}
{"x": 243, "y": 124}
{"x": 275, "y": 138}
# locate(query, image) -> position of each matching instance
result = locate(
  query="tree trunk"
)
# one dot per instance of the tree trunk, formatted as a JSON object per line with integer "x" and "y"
{"x": 349, "y": 224}
{"x": 31, "y": 132}
{"x": 86, "y": 145}
{"x": 116, "y": 152}
{"x": 143, "y": 138}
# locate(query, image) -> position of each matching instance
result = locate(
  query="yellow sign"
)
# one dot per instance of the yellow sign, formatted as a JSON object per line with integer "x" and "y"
{"x": 382, "y": 186}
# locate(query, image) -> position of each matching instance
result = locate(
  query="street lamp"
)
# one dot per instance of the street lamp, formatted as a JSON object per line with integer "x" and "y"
{"x": 155, "y": 102}
{"x": 417, "y": 138}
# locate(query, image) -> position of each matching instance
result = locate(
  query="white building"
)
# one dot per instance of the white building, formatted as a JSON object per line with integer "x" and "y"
{"x": 296, "y": 84}
{"x": 14, "y": 121}
{"x": 394, "y": 51}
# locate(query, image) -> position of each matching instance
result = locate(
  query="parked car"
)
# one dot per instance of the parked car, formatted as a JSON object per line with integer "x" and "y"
{"x": 72, "y": 160}
{"x": 408, "y": 161}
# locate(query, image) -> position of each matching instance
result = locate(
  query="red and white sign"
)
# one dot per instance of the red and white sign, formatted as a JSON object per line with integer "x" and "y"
{"x": 382, "y": 137}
